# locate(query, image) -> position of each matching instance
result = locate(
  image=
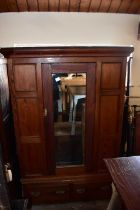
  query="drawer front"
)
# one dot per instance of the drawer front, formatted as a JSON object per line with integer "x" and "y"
{"x": 46, "y": 194}
{"x": 78, "y": 191}
{"x": 90, "y": 191}
{"x": 99, "y": 192}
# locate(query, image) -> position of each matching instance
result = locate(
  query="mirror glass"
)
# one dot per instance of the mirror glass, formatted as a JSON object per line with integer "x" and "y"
{"x": 69, "y": 97}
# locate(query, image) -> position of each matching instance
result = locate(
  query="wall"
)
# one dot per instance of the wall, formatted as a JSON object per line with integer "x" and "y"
{"x": 72, "y": 29}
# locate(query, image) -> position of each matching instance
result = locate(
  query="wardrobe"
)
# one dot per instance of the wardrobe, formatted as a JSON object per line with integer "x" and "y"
{"x": 61, "y": 158}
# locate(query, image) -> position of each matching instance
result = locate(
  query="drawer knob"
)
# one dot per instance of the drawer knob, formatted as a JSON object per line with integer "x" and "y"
{"x": 58, "y": 192}
{"x": 35, "y": 193}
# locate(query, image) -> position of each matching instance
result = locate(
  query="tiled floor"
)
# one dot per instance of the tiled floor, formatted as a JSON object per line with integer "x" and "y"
{"x": 95, "y": 205}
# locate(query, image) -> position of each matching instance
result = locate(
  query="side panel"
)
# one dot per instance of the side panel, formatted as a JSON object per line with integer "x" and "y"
{"x": 110, "y": 100}
{"x": 25, "y": 80}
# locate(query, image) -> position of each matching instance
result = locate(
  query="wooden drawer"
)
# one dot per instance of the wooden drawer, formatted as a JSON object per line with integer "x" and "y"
{"x": 78, "y": 191}
{"x": 90, "y": 191}
{"x": 99, "y": 192}
{"x": 46, "y": 194}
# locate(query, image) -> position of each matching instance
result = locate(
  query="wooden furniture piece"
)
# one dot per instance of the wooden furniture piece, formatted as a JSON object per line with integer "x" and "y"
{"x": 30, "y": 75}
{"x": 125, "y": 175}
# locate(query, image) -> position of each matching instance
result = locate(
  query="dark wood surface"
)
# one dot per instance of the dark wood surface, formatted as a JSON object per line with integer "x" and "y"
{"x": 125, "y": 174}
{"x": 30, "y": 75}
{"x": 119, "y": 6}
{"x": 56, "y": 52}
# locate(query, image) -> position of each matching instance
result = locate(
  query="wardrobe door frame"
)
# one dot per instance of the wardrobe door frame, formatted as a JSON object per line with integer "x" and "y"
{"x": 70, "y": 67}
{"x": 17, "y": 94}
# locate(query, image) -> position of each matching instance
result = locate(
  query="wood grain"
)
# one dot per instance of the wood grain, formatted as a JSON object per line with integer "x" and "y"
{"x": 64, "y": 5}
{"x": 134, "y": 6}
{"x": 105, "y": 5}
{"x": 12, "y": 5}
{"x": 125, "y": 174}
{"x": 27, "y": 73}
{"x": 84, "y": 5}
{"x": 114, "y": 6}
{"x": 94, "y": 6}
{"x": 43, "y": 5}
{"x": 111, "y": 6}
{"x": 54, "y": 5}
{"x": 32, "y": 5}
{"x": 22, "y": 5}
{"x": 74, "y": 6}
{"x": 124, "y": 6}
{"x": 111, "y": 75}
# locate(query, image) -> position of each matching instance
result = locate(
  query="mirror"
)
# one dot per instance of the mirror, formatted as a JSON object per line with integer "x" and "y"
{"x": 69, "y": 97}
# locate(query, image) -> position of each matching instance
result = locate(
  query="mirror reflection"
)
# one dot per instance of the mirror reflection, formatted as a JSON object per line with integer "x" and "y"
{"x": 69, "y": 97}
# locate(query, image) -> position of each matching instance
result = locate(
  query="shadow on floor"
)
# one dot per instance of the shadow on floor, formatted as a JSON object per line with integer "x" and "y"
{"x": 94, "y": 205}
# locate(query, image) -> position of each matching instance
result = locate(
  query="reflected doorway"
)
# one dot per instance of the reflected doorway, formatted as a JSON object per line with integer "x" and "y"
{"x": 69, "y": 99}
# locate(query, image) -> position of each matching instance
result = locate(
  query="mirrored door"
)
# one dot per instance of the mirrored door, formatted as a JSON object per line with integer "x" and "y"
{"x": 67, "y": 98}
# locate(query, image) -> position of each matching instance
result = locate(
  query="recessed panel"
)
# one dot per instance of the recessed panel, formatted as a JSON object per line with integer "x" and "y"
{"x": 109, "y": 113}
{"x": 106, "y": 150}
{"x": 32, "y": 159}
{"x": 111, "y": 75}
{"x": 107, "y": 146}
{"x": 28, "y": 113}
{"x": 25, "y": 77}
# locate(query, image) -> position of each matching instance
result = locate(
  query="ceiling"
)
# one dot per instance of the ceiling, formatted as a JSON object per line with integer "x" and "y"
{"x": 109, "y": 6}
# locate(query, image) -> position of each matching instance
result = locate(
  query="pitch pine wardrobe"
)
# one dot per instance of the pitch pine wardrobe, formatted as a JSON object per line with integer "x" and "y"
{"x": 65, "y": 127}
